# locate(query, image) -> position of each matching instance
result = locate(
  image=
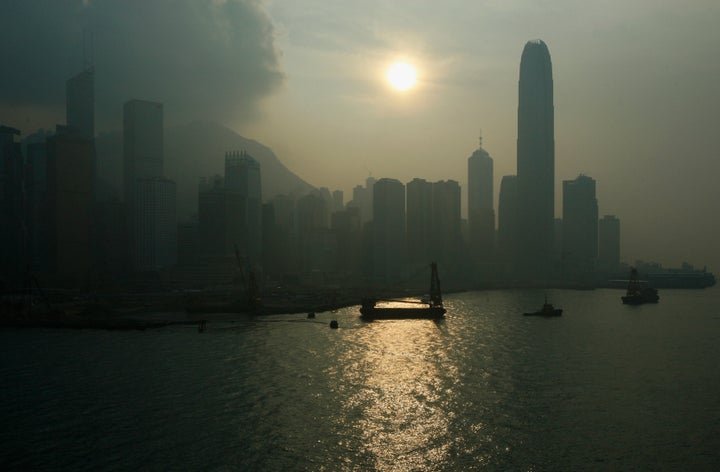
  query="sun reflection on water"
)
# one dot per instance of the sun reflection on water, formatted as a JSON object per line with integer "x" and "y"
{"x": 400, "y": 394}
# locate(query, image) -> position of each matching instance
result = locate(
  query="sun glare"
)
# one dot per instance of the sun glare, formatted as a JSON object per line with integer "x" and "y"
{"x": 402, "y": 76}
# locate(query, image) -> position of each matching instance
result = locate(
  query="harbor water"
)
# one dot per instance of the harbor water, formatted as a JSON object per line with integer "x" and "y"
{"x": 605, "y": 386}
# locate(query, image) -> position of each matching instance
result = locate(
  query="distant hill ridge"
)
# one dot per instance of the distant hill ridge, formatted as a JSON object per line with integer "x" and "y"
{"x": 198, "y": 150}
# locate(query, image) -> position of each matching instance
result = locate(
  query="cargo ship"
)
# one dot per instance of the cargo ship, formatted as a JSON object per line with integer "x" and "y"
{"x": 674, "y": 278}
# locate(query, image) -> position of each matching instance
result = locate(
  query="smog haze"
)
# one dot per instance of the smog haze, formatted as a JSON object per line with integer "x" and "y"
{"x": 635, "y": 91}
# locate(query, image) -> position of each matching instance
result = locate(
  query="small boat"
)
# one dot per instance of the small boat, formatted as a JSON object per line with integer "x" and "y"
{"x": 638, "y": 294}
{"x": 431, "y": 308}
{"x": 546, "y": 310}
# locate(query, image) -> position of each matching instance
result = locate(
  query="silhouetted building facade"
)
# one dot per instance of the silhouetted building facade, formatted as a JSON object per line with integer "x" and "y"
{"x": 535, "y": 162}
{"x": 143, "y": 144}
{"x": 156, "y": 229}
{"x": 70, "y": 206}
{"x": 189, "y": 243}
{"x": 311, "y": 213}
{"x": 348, "y": 228}
{"x": 363, "y": 199}
{"x": 12, "y": 205}
{"x": 388, "y": 229}
{"x": 220, "y": 217}
{"x": 80, "y": 102}
{"x": 36, "y": 201}
{"x": 580, "y": 227}
{"x": 242, "y": 177}
{"x": 147, "y": 191}
{"x": 111, "y": 235}
{"x": 275, "y": 244}
{"x": 446, "y": 239}
{"x": 337, "y": 201}
{"x": 312, "y": 234}
{"x": 481, "y": 213}
{"x": 419, "y": 221}
{"x": 609, "y": 244}
{"x": 508, "y": 220}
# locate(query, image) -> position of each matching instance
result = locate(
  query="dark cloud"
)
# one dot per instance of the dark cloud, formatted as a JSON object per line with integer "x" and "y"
{"x": 202, "y": 58}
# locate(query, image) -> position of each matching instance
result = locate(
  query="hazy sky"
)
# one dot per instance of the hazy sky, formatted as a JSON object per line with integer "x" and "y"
{"x": 637, "y": 90}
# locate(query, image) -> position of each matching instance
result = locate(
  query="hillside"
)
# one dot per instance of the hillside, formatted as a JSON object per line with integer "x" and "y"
{"x": 198, "y": 150}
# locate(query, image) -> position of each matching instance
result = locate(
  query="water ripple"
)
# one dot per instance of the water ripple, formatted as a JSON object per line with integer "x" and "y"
{"x": 601, "y": 387}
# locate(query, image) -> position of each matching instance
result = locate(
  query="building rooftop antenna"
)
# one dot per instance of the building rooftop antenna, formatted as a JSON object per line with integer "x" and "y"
{"x": 480, "y": 138}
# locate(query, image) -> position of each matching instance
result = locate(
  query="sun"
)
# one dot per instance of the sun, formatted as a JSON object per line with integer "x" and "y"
{"x": 402, "y": 76}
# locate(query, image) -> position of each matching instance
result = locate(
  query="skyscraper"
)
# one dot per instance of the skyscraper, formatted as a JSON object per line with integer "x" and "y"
{"x": 388, "y": 228}
{"x": 70, "y": 173}
{"x": 535, "y": 161}
{"x": 156, "y": 231}
{"x": 507, "y": 218}
{"x": 419, "y": 220}
{"x": 242, "y": 176}
{"x": 337, "y": 201}
{"x": 80, "y": 102}
{"x": 446, "y": 239}
{"x": 142, "y": 144}
{"x": 609, "y": 244}
{"x": 147, "y": 193}
{"x": 481, "y": 216}
{"x": 11, "y": 204}
{"x": 579, "y": 227}
{"x": 220, "y": 218}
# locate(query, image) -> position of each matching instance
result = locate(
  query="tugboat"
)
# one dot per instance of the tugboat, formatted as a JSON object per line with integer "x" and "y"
{"x": 546, "y": 310}
{"x": 433, "y": 310}
{"x": 637, "y": 294}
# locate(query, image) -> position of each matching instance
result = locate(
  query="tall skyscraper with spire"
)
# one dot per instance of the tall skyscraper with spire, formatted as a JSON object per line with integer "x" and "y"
{"x": 481, "y": 216}
{"x": 535, "y": 161}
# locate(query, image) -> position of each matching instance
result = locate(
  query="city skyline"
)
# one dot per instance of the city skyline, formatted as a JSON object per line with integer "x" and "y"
{"x": 634, "y": 97}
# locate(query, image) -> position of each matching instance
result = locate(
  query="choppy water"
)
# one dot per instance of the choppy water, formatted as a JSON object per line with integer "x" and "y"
{"x": 604, "y": 387}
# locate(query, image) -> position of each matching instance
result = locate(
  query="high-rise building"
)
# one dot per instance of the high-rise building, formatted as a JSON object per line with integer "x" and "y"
{"x": 388, "y": 228}
{"x": 481, "y": 214}
{"x": 288, "y": 258}
{"x": 37, "y": 201}
{"x": 337, "y": 201}
{"x": 507, "y": 218}
{"x": 80, "y": 102}
{"x": 311, "y": 213}
{"x": 70, "y": 205}
{"x": 609, "y": 244}
{"x": 242, "y": 177}
{"x": 156, "y": 231}
{"x": 12, "y": 198}
{"x": 535, "y": 161}
{"x": 446, "y": 221}
{"x": 143, "y": 150}
{"x": 312, "y": 231}
{"x": 284, "y": 208}
{"x": 419, "y": 220}
{"x": 346, "y": 225}
{"x": 221, "y": 214}
{"x": 147, "y": 192}
{"x": 579, "y": 227}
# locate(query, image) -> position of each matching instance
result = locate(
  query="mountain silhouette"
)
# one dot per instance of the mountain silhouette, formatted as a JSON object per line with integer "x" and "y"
{"x": 194, "y": 151}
